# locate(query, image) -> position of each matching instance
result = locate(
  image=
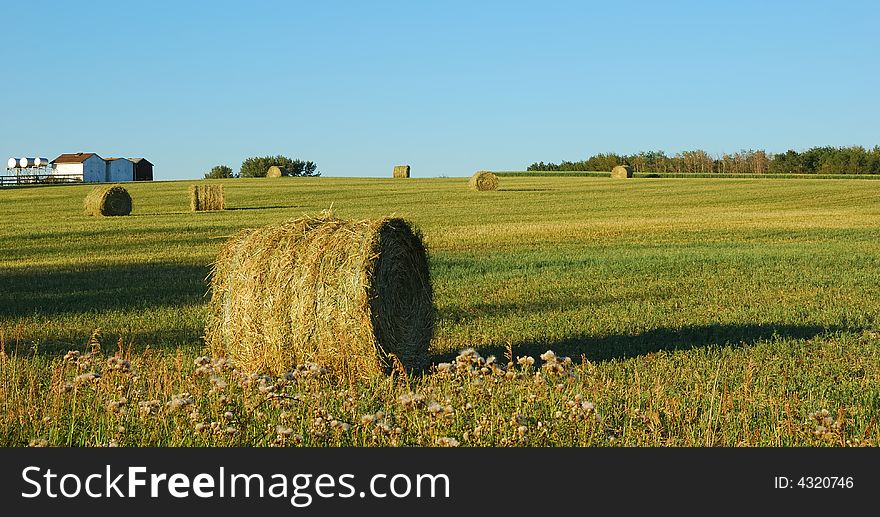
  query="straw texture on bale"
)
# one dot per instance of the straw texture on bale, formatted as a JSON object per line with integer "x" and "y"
{"x": 107, "y": 200}
{"x": 622, "y": 171}
{"x": 401, "y": 171}
{"x": 206, "y": 197}
{"x": 274, "y": 172}
{"x": 483, "y": 180}
{"x": 343, "y": 294}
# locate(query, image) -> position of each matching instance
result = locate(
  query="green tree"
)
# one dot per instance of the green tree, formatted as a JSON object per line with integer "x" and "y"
{"x": 257, "y": 166}
{"x": 220, "y": 171}
{"x": 824, "y": 160}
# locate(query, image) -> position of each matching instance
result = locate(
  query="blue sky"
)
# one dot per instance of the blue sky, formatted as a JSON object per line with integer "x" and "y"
{"x": 448, "y": 87}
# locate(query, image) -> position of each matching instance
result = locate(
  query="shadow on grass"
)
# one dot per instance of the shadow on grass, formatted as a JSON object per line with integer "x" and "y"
{"x": 525, "y": 189}
{"x": 624, "y": 346}
{"x": 90, "y": 296}
{"x": 99, "y": 288}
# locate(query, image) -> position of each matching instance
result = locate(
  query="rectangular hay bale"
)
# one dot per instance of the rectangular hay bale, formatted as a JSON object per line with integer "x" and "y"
{"x": 401, "y": 171}
{"x": 206, "y": 197}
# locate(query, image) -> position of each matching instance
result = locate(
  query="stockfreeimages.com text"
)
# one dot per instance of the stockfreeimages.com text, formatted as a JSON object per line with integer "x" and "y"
{"x": 300, "y": 489}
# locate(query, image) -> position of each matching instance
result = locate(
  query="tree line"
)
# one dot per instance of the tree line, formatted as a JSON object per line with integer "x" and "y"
{"x": 816, "y": 160}
{"x": 258, "y": 166}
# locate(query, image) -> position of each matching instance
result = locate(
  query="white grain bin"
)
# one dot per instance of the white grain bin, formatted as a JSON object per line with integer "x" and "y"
{"x": 25, "y": 162}
{"x": 41, "y": 162}
{"x": 12, "y": 163}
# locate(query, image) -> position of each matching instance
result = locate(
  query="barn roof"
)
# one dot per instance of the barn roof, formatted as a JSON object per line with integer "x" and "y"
{"x": 73, "y": 158}
{"x": 114, "y": 159}
{"x": 139, "y": 160}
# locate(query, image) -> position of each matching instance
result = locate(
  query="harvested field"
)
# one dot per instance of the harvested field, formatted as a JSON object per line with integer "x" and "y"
{"x": 695, "y": 312}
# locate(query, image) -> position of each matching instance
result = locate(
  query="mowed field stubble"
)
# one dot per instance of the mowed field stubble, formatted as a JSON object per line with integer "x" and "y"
{"x": 695, "y": 312}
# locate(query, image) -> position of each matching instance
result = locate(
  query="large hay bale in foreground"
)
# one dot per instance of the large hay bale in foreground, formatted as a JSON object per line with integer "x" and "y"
{"x": 107, "y": 200}
{"x": 342, "y": 294}
{"x": 206, "y": 197}
{"x": 483, "y": 180}
{"x": 275, "y": 172}
{"x": 401, "y": 171}
{"x": 622, "y": 171}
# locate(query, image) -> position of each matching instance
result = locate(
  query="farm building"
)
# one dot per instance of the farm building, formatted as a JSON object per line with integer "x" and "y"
{"x": 91, "y": 168}
{"x": 143, "y": 169}
{"x": 88, "y": 166}
{"x": 119, "y": 169}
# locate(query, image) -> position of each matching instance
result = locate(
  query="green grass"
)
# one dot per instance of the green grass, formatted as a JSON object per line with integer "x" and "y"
{"x": 697, "y": 312}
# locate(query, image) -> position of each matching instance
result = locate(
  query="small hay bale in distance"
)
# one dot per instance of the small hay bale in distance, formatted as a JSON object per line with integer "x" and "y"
{"x": 343, "y": 294}
{"x": 401, "y": 171}
{"x": 483, "y": 180}
{"x": 275, "y": 172}
{"x": 107, "y": 200}
{"x": 622, "y": 171}
{"x": 206, "y": 197}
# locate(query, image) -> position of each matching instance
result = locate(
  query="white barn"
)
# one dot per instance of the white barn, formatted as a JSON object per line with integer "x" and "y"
{"x": 119, "y": 169}
{"x": 88, "y": 166}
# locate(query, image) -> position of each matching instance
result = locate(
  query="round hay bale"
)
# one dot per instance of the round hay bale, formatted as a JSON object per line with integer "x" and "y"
{"x": 400, "y": 171}
{"x": 622, "y": 171}
{"x": 346, "y": 295}
{"x": 107, "y": 200}
{"x": 274, "y": 172}
{"x": 483, "y": 180}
